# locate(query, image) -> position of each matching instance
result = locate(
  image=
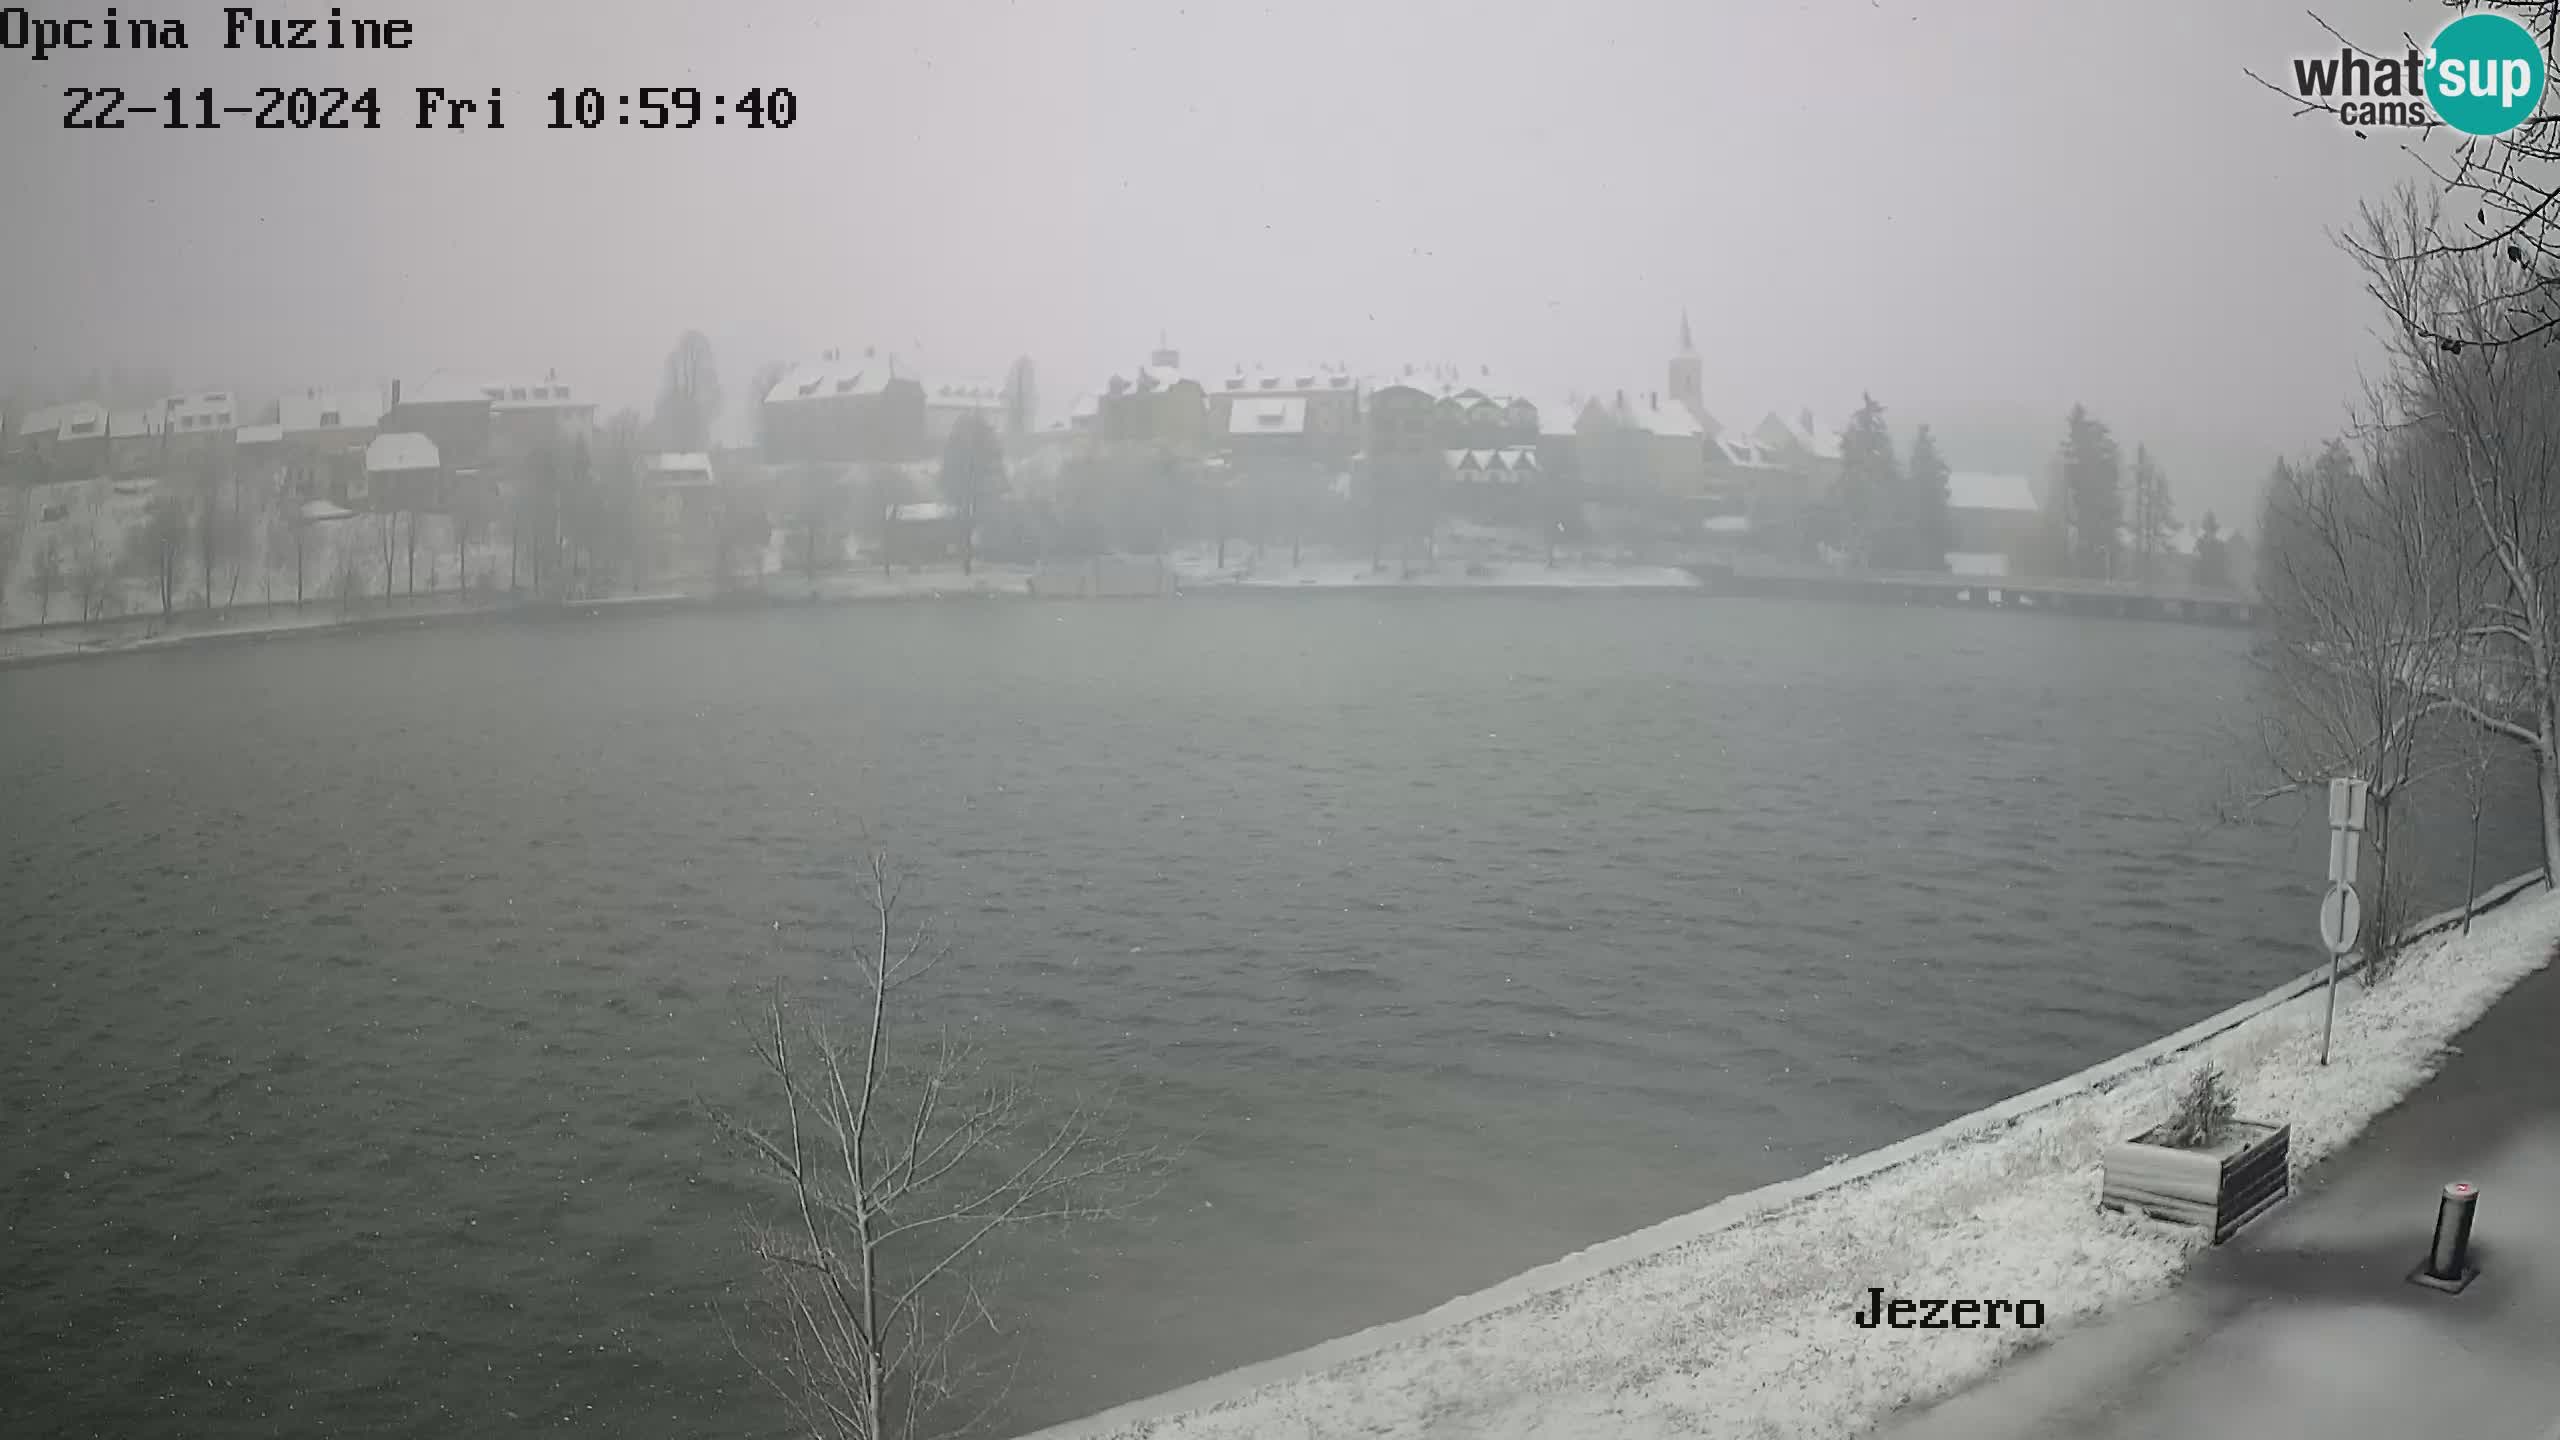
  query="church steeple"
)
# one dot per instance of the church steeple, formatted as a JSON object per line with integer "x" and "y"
{"x": 1688, "y": 374}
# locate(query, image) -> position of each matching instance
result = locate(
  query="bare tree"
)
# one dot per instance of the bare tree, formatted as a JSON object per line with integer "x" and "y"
{"x": 159, "y": 548}
{"x": 2365, "y": 585}
{"x": 2486, "y": 417}
{"x": 9, "y": 541}
{"x": 208, "y": 522}
{"x": 97, "y": 576}
{"x": 2502, "y": 194}
{"x": 48, "y": 576}
{"x": 898, "y": 1164}
{"x": 286, "y": 527}
{"x": 689, "y": 395}
{"x": 346, "y": 581}
{"x": 818, "y": 518}
{"x": 1021, "y": 401}
{"x": 386, "y": 533}
{"x": 973, "y": 478}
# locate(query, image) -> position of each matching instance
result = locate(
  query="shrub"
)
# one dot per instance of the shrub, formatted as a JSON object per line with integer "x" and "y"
{"x": 2202, "y": 1112}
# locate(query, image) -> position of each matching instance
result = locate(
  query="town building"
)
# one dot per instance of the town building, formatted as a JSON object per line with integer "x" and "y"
{"x": 199, "y": 426}
{"x": 321, "y": 438}
{"x": 1159, "y": 408}
{"x": 535, "y": 419}
{"x": 402, "y": 473}
{"x": 137, "y": 443}
{"x": 1993, "y": 520}
{"x": 834, "y": 411}
{"x": 451, "y": 410}
{"x": 922, "y": 532}
{"x": 1317, "y": 407}
{"x": 947, "y": 404}
{"x": 61, "y": 442}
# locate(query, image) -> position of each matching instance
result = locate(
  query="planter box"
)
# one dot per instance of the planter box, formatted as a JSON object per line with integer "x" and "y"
{"x": 2221, "y": 1187}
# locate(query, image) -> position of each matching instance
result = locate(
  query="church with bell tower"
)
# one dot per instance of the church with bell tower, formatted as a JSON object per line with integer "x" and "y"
{"x": 1688, "y": 378}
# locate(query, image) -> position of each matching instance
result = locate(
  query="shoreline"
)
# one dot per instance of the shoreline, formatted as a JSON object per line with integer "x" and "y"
{"x": 2002, "y": 1202}
{"x": 1005, "y": 583}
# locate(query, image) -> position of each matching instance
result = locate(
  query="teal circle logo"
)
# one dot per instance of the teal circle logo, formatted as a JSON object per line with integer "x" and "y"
{"x": 2485, "y": 74}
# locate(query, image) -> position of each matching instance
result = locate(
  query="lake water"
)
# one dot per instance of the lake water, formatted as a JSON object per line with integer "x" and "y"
{"x": 357, "y": 990}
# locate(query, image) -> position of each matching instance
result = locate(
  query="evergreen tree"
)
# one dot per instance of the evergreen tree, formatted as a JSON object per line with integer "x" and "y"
{"x": 1869, "y": 478}
{"x": 1926, "y": 532}
{"x": 2091, "y": 494}
{"x": 2213, "y": 557}
{"x": 2155, "y": 518}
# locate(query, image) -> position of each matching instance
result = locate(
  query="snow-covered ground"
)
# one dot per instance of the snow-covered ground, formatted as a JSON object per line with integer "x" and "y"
{"x": 1736, "y": 1321}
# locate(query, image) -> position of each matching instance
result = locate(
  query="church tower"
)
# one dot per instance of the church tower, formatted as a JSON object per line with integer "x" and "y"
{"x": 1688, "y": 383}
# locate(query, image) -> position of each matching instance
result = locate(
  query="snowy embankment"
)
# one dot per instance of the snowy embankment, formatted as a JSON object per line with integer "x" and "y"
{"x": 1736, "y": 1320}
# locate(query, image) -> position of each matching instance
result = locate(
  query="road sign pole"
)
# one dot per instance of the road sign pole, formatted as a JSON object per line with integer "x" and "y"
{"x": 2331, "y": 1018}
{"x": 2340, "y": 915}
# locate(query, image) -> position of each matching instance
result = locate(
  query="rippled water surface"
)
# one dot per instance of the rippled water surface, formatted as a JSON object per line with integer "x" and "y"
{"x": 356, "y": 991}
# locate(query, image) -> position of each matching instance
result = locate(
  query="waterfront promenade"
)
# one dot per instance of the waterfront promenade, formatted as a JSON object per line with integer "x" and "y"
{"x": 2305, "y": 1323}
{"x": 1736, "y": 1321}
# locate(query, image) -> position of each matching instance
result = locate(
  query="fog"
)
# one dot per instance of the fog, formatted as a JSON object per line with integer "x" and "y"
{"x": 1981, "y": 213}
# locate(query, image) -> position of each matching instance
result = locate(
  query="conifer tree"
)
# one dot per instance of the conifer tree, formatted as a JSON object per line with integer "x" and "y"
{"x": 1927, "y": 534}
{"x": 2213, "y": 557}
{"x": 2091, "y": 494}
{"x": 2155, "y": 517}
{"x": 1868, "y": 479}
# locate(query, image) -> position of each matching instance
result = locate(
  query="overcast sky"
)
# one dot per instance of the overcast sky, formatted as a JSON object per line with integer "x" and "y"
{"x": 1980, "y": 211}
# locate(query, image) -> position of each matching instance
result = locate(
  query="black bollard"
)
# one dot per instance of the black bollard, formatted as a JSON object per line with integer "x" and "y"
{"x": 2448, "y": 1266}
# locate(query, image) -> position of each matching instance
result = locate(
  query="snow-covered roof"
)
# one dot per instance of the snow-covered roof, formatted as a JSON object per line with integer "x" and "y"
{"x": 1672, "y": 421}
{"x": 314, "y": 511}
{"x": 1159, "y": 377}
{"x": 259, "y": 434}
{"x": 358, "y": 409}
{"x": 74, "y": 420}
{"x": 1268, "y": 415}
{"x": 1741, "y": 450}
{"x": 920, "y": 512}
{"x": 445, "y": 387}
{"x": 678, "y": 470}
{"x": 1813, "y": 439}
{"x": 1300, "y": 380}
{"x": 403, "y": 451}
{"x": 1727, "y": 524}
{"x": 1086, "y": 407}
{"x": 1979, "y": 490}
{"x": 1561, "y": 417}
{"x": 834, "y": 375}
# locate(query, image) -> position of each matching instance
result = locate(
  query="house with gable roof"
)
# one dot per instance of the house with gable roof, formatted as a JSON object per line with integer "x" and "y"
{"x": 836, "y": 411}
